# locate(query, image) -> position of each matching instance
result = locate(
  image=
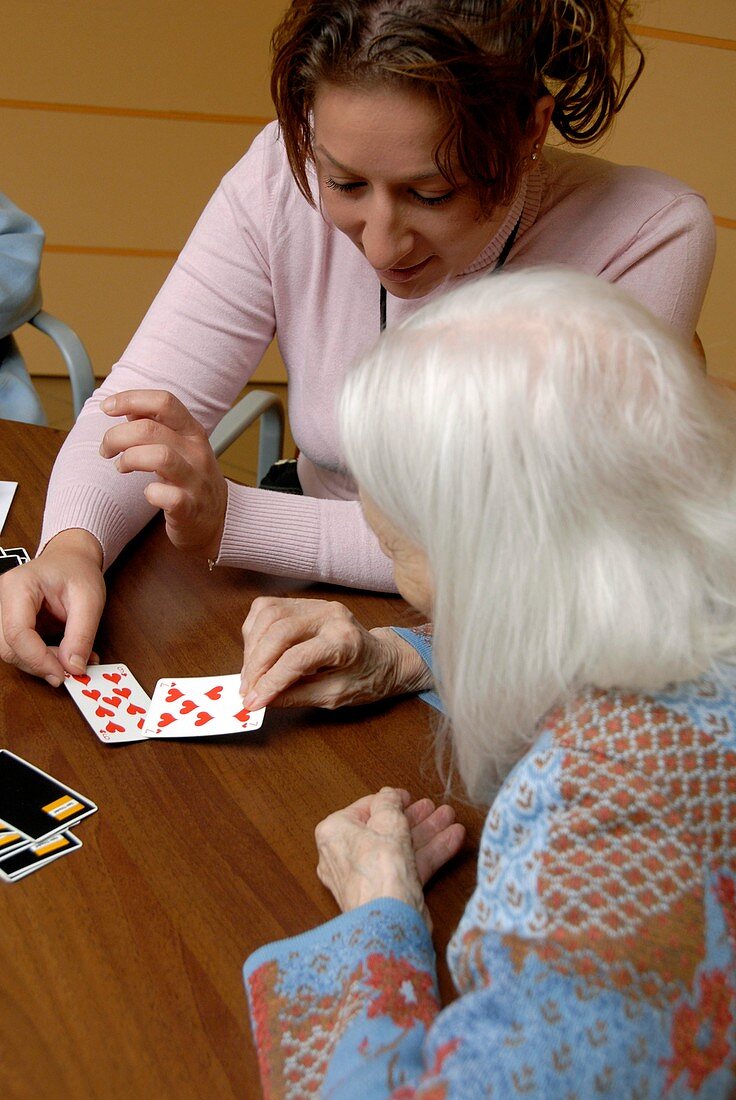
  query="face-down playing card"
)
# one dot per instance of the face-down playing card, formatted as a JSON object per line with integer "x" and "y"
{"x": 10, "y": 558}
{"x": 112, "y": 701}
{"x": 35, "y": 804}
{"x": 200, "y": 706}
{"x": 38, "y": 854}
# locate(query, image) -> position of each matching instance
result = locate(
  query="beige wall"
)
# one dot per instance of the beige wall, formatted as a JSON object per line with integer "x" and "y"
{"x": 117, "y": 119}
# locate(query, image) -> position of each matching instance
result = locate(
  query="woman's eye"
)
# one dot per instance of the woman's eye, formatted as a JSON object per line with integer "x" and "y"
{"x": 344, "y": 188}
{"x": 433, "y": 200}
{"x": 353, "y": 187}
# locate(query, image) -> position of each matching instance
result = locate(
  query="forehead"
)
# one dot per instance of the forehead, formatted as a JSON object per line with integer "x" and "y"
{"x": 381, "y": 132}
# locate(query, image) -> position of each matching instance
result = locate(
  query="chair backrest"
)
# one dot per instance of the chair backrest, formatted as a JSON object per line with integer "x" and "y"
{"x": 18, "y": 397}
{"x": 74, "y": 355}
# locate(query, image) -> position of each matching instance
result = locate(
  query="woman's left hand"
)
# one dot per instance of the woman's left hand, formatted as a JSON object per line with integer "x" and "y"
{"x": 385, "y": 845}
{"x": 160, "y": 436}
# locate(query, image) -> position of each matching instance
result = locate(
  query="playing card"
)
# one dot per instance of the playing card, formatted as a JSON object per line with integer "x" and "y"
{"x": 9, "y": 561}
{"x": 38, "y": 854}
{"x": 7, "y": 492}
{"x": 200, "y": 706}
{"x": 11, "y": 838}
{"x": 112, "y": 701}
{"x": 16, "y": 551}
{"x": 34, "y": 803}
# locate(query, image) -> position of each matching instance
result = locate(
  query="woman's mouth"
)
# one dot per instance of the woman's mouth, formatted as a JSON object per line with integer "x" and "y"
{"x": 403, "y": 274}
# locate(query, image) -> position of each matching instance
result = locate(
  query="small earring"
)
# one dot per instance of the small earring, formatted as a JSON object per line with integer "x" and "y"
{"x": 535, "y": 152}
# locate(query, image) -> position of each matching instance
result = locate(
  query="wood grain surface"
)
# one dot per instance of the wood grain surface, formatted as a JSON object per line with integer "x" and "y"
{"x": 121, "y": 964}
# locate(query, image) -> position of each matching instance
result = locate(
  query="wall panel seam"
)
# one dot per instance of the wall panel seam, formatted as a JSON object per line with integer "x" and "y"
{"x": 684, "y": 37}
{"x": 135, "y": 112}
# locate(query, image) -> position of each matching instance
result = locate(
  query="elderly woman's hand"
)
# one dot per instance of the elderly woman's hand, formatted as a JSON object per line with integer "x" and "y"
{"x": 384, "y": 845}
{"x": 314, "y": 653}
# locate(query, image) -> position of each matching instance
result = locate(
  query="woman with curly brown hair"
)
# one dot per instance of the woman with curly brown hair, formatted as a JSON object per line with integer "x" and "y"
{"x": 407, "y": 160}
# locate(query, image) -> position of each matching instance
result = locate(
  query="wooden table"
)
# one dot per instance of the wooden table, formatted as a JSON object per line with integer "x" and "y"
{"x": 121, "y": 963}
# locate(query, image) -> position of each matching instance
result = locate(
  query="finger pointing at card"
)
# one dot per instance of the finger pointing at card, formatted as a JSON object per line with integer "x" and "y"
{"x": 160, "y": 436}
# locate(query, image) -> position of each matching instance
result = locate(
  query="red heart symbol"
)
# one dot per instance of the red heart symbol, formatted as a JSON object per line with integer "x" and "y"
{"x": 140, "y": 723}
{"x": 165, "y": 720}
{"x": 125, "y": 692}
{"x": 214, "y": 693}
{"x": 92, "y": 694}
{"x": 243, "y": 716}
{"x": 111, "y": 727}
{"x": 103, "y": 712}
{"x": 202, "y": 718}
{"x": 111, "y": 701}
{"x": 81, "y": 679}
{"x": 172, "y": 694}
{"x": 114, "y": 676}
{"x": 134, "y": 709}
{"x": 187, "y": 706}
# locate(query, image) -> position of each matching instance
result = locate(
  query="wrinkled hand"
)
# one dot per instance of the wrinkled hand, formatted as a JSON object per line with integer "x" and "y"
{"x": 384, "y": 845}
{"x": 315, "y": 653}
{"x": 66, "y": 583}
{"x": 163, "y": 438}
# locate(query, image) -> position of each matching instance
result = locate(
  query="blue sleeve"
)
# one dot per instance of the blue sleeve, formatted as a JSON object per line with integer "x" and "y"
{"x": 21, "y": 244}
{"x": 422, "y": 642}
{"x": 343, "y": 1010}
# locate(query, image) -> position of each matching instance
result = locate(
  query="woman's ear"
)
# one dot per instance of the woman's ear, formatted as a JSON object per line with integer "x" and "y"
{"x": 538, "y": 127}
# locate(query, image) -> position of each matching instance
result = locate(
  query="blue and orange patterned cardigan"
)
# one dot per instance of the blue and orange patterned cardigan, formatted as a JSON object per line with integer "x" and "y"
{"x": 596, "y": 957}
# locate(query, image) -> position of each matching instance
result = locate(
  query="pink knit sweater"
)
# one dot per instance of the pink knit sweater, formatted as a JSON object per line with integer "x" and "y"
{"x": 261, "y": 262}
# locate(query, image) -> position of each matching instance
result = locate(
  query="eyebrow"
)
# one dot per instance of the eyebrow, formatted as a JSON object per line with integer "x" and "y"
{"x": 433, "y": 174}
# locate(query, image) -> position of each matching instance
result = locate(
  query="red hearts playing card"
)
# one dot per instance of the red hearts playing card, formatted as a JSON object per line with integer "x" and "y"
{"x": 112, "y": 701}
{"x": 118, "y": 709}
{"x": 197, "y": 706}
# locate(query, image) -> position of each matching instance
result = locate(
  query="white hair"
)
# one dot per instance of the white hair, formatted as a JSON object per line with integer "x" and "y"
{"x": 571, "y": 476}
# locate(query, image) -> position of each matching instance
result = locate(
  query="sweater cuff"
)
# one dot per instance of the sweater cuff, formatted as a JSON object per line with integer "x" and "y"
{"x": 422, "y": 643}
{"x": 270, "y": 533}
{"x": 374, "y": 922}
{"x": 88, "y": 508}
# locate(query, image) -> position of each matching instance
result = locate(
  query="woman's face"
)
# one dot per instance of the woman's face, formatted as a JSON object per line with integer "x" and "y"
{"x": 411, "y": 568}
{"x": 379, "y": 185}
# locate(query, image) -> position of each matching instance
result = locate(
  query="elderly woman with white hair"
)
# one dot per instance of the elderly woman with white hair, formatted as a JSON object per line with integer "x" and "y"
{"x": 555, "y": 482}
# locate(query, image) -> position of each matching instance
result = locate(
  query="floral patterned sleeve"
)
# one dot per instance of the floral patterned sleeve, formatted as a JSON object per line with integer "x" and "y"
{"x": 343, "y": 1010}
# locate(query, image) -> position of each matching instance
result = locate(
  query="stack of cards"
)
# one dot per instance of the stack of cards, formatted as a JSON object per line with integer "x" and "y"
{"x": 10, "y": 558}
{"x": 118, "y": 709}
{"x": 36, "y": 813}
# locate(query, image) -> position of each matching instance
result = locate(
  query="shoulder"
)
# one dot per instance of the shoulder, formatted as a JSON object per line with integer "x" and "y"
{"x": 263, "y": 195}
{"x": 577, "y": 183}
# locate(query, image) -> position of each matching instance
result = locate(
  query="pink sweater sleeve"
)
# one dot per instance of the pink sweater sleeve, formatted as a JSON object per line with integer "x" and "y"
{"x": 201, "y": 339}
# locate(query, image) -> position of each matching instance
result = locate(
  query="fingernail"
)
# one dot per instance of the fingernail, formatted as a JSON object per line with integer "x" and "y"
{"x": 250, "y": 700}
{"x": 53, "y": 680}
{"x": 108, "y": 405}
{"x": 76, "y": 662}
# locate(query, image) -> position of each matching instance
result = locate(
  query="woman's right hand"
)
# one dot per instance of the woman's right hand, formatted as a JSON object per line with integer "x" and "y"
{"x": 299, "y": 653}
{"x": 66, "y": 583}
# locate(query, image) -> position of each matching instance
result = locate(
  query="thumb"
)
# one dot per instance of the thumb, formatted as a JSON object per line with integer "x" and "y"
{"x": 387, "y": 810}
{"x": 83, "y": 618}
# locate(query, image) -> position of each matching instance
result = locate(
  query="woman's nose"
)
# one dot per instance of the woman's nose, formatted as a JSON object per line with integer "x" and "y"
{"x": 386, "y": 239}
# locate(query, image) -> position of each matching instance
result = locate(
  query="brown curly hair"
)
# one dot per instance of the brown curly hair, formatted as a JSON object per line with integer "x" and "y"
{"x": 485, "y": 63}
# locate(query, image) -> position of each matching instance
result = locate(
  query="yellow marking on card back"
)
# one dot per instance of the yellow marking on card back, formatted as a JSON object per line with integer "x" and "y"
{"x": 51, "y": 845}
{"x": 63, "y": 807}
